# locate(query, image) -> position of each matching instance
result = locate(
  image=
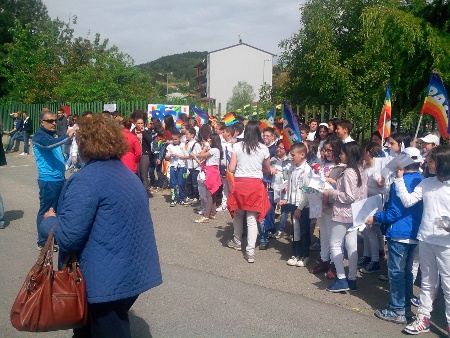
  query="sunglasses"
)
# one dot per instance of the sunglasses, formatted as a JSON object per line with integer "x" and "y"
{"x": 50, "y": 121}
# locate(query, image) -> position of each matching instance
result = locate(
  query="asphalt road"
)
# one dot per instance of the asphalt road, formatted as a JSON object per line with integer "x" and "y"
{"x": 209, "y": 290}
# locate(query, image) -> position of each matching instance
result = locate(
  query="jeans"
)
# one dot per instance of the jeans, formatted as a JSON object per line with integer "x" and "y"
{"x": 400, "y": 261}
{"x": 192, "y": 184}
{"x": 151, "y": 169}
{"x": 12, "y": 139}
{"x": 2, "y": 212}
{"x": 144, "y": 164}
{"x": 158, "y": 169}
{"x": 49, "y": 192}
{"x": 268, "y": 223}
{"x": 285, "y": 211}
{"x": 176, "y": 178}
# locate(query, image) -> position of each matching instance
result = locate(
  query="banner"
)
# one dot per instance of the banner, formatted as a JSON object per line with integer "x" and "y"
{"x": 161, "y": 110}
{"x": 201, "y": 116}
{"x": 436, "y": 104}
{"x": 291, "y": 130}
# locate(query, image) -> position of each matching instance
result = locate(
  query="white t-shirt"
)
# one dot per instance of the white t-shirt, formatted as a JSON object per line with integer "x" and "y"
{"x": 250, "y": 165}
{"x": 311, "y": 136}
{"x": 177, "y": 150}
{"x": 196, "y": 148}
{"x": 214, "y": 159}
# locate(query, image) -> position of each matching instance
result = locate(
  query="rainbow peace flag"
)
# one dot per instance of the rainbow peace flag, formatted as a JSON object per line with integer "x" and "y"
{"x": 229, "y": 119}
{"x": 229, "y": 176}
{"x": 165, "y": 167}
{"x": 384, "y": 123}
{"x": 200, "y": 115}
{"x": 436, "y": 104}
{"x": 269, "y": 121}
{"x": 291, "y": 130}
{"x": 178, "y": 124}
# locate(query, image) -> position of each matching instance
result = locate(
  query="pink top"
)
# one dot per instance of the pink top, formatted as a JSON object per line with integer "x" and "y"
{"x": 133, "y": 155}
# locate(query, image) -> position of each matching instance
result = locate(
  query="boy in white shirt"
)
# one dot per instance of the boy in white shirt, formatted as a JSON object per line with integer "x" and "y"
{"x": 176, "y": 154}
{"x": 192, "y": 146}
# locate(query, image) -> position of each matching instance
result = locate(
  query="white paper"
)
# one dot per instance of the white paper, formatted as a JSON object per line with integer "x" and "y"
{"x": 315, "y": 205}
{"x": 362, "y": 209}
{"x": 401, "y": 160}
{"x": 378, "y": 165}
{"x": 111, "y": 107}
{"x": 317, "y": 183}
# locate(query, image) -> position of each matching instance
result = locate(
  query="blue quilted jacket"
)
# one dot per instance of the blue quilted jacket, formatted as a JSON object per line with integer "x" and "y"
{"x": 104, "y": 217}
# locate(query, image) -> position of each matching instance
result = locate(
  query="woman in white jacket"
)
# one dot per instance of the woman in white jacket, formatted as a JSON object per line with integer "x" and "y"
{"x": 433, "y": 236}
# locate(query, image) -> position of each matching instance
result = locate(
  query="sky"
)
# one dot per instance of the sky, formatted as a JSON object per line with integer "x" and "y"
{"x": 150, "y": 29}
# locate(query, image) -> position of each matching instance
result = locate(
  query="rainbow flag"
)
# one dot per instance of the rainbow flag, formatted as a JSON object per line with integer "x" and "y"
{"x": 384, "y": 123}
{"x": 436, "y": 104}
{"x": 200, "y": 115}
{"x": 269, "y": 121}
{"x": 165, "y": 167}
{"x": 178, "y": 124}
{"x": 229, "y": 176}
{"x": 291, "y": 130}
{"x": 229, "y": 119}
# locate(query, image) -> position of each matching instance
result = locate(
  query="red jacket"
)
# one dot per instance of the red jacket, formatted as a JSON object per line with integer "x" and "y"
{"x": 134, "y": 152}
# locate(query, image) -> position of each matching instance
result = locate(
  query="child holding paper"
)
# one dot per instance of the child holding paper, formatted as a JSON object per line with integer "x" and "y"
{"x": 351, "y": 186}
{"x": 402, "y": 242}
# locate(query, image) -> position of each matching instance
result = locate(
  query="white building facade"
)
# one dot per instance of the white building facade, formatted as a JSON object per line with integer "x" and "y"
{"x": 222, "y": 69}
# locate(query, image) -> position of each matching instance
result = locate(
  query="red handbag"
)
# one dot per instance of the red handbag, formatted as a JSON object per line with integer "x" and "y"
{"x": 51, "y": 300}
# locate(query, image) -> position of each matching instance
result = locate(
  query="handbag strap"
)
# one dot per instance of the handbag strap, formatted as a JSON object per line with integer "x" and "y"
{"x": 46, "y": 253}
{"x": 73, "y": 261}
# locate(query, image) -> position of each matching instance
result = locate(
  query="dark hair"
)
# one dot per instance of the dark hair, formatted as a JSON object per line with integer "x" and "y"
{"x": 346, "y": 124}
{"x": 336, "y": 145}
{"x": 216, "y": 143}
{"x": 239, "y": 127}
{"x": 205, "y": 132}
{"x": 86, "y": 113}
{"x": 374, "y": 149}
{"x": 377, "y": 134}
{"x": 334, "y": 122}
{"x": 317, "y": 137}
{"x": 156, "y": 123}
{"x": 401, "y": 138}
{"x": 191, "y": 130}
{"x": 169, "y": 123}
{"x": 441, "y": 155}
{"x": 313, "y": 120}
{"x": 269, "y": 130}
{"x": 252, "y": 137}
{"x": 353, "y": 152}
{"x": 139, "y": 114}
{"x": 313, "y": 148}
{"x": 299, "y": 147}
{"x": 183, "y": 117}
{"x": 220, "y": 126}
{"x": 128, "y": 122}
{"x": 230, "y": 129}
{"x": 305, "y": 127}
{"x": 176, "y": 133}
{"x": 413, "y": 166}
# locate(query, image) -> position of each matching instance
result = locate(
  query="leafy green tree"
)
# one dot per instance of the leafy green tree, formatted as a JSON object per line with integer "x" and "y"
{"x": 242, "y": 94}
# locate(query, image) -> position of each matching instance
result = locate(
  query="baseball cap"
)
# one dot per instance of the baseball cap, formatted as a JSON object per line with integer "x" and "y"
{"x": 430, "y": 138}
{"x": 414, "y": 153}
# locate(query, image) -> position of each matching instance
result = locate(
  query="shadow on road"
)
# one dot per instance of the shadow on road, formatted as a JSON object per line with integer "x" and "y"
{"x": 139, "y": 327}
{"x": 12, "y": 215}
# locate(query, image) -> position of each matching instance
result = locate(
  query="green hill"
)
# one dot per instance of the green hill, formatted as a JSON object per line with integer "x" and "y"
{"x": 181, "y": 65}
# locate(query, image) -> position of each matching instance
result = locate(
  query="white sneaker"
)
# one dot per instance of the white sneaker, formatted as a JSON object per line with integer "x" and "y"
{"x": 292, "y": 261}
{"x": 22, "y": 154}
{"x": 302, "y": 262}
{"x": 221, "y": 208}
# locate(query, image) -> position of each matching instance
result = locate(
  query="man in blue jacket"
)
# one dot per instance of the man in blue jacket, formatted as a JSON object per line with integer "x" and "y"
{"x": 15, "y": 132}
{"x": 402, "y": 241}
{"x": 51, "y": 166}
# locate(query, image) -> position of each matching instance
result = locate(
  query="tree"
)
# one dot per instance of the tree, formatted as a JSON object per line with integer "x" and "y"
{"x": 242, "y": 94}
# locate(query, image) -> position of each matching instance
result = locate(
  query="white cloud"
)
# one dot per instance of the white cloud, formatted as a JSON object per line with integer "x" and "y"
{"x": 150, "y": 29}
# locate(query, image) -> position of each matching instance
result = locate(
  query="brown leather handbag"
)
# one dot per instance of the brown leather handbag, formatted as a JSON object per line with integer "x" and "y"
{"x": 51, "y": 300}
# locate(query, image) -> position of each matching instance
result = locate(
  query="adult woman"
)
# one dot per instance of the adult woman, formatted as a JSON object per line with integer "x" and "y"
{"x": 133, "y": 154}
{"x": 248, "y": 192}
{"x": 169, "y": 126}
{"x": 145, "y": 140}
{"x": 110, "y": 229}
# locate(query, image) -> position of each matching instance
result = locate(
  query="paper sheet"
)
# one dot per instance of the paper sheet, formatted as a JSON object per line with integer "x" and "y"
{"x": 362, "y": 209}
{"x": 401, "y": 160}
{"x": 315, "y": 205}
{"x": 378, "y": 164}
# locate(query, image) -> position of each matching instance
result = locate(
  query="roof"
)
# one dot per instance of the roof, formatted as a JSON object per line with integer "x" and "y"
{"x": 241, "y": 43}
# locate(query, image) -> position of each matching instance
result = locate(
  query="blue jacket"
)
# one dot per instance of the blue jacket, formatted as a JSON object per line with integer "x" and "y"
{"x": 403, "y": 222}
{"x": 104, "y": 217}
{"x": 48, "y": 155}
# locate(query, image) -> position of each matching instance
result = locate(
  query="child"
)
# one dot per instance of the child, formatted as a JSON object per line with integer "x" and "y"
{"x": 227, "y": 147}
{"x": 304, "y": 131}
{"x": 433, "y": 236}
{"x": 300, "y": 174}
{"x": 372, "y": 236}
{"x": 192, "y": 146}
{"x": 344, "y": 128}
{"x": 402, "y": 242}
{"x": 351, "y": 186}
{"x": 176, "y": 154}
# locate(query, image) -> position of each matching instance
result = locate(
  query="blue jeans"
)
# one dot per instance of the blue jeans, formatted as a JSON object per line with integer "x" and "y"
{"x": 176, "y": 178}
{"x": 268, "y": 223}
{"x": 285, "y": 211}
{"x": 12, "y": 139}
{"x": 49, "y": 192}
{"x": 192, "y": 184}
{"x": 160, "y": 180}
{"x": 400, "y": 261}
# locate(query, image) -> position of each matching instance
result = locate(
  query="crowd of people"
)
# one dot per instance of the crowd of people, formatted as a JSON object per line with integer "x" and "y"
{"x": 252, "y": 173}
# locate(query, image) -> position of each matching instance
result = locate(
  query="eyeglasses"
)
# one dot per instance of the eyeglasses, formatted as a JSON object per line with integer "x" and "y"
{"x": 50, "y": 121}
{"x": 328, "y": 150}
{"x": 281, "y": 148}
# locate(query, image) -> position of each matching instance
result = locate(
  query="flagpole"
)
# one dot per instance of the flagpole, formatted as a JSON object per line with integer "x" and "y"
{"x": 417, "y": 130}
{"x": 384, "y": 125}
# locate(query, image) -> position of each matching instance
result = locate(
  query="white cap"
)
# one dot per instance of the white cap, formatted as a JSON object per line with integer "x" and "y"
{"x": 323, "y": 124}
{"x": 414, "y": 153}
{"x": 430, "y": 138}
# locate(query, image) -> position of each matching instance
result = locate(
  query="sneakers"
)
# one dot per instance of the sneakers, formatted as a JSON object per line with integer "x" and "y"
{"x": 55, "y": 248}
{"x": 249, "y": 258}
{"x": 202, "y": 220}
{"x": 23, "y": 154}
{"x": 415, "y": 302}
{"x": 263, "y": 245}
{"x": 221, "y": 208}
{"x": 193, "y": 200}
{"x": 293, "y": 261}
{"x": 276, "y": 235}
{"x": 199, "y": 211}
{"x": 352, "y": 284}
{"x": 212, "y": 217}
{"x": 331, "y": 273}
{"x": 384, "y": 278}
{"x": 315, "y": 246}
{"x": 234, "y": 245}
{"x": 301, "y": 263}
{"x": 340, "y": 285}
{"x": 185, "y": 204}
{"x": 173, "y": 203}
{"x": 371, "y": 267}
{"x": 390, "y": 316}
{"x": 421, "y": 324}
{"x": 363, "y": 261}
{"x": 321, "y": 267}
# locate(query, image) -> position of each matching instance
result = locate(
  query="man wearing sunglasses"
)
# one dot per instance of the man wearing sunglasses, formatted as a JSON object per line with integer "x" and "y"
{"x": 51, "y": 166}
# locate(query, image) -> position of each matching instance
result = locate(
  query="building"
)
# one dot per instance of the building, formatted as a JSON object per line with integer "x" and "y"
{"x": 222, "y": 69}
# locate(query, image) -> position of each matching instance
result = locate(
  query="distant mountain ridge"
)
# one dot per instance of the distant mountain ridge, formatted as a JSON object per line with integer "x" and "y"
{"x": 180, "y": 65}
